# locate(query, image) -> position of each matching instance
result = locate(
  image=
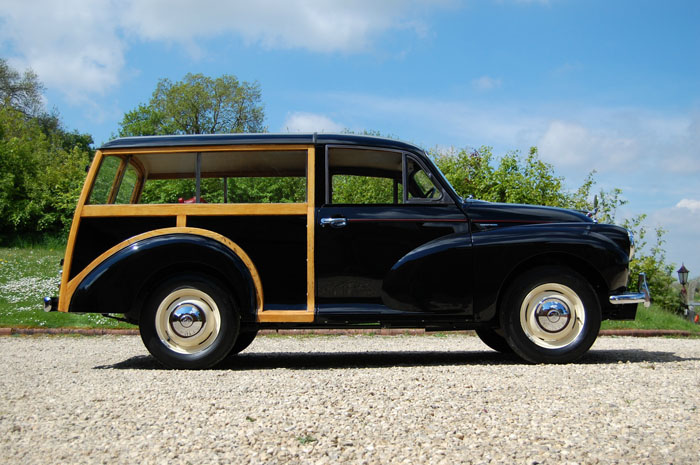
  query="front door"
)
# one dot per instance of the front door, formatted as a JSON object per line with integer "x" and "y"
{"x": 369, "y": 227}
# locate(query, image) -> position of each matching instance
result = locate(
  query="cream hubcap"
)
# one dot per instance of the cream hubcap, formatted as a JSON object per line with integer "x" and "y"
{"x": 552, "y": 315}
{"x": 188, "y": 321}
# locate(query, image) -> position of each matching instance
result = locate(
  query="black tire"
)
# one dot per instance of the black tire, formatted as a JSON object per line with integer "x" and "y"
{"x": 244, "y": 339}
{"x": 550, "y": 315}
{"x": 494, "y": 340}
{"x": 189, "y": 322}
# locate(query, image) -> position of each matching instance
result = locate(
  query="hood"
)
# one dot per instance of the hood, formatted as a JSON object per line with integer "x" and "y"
{"x": 480, "y": 211}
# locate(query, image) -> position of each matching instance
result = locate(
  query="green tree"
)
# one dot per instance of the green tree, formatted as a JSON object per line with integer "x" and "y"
{"x": 42, "y": 166}
{"x": 203, "y": 105}
{"x": 21, "y": 91}
{"x": 198, "y": 105}
{"x": 515, "y": 179}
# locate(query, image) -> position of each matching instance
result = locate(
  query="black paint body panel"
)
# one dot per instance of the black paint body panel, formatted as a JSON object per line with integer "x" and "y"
{"x": 141, "y": 266}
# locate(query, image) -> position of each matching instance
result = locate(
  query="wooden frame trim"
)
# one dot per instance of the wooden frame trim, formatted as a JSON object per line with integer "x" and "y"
{"x": 207, "y": 148}
{"x": 302, "y": 316}
{"x": 63, "y": 300}
{"x": 72, "y": 285}
{"x": 192, "y": 209}
{"x": 118, "y": 178}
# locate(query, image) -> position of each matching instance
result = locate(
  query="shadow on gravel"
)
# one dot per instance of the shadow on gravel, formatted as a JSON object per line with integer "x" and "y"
{"x": 314, "y": 361}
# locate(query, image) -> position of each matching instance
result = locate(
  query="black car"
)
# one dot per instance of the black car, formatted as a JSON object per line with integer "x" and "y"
{"x": 203, "y": 240}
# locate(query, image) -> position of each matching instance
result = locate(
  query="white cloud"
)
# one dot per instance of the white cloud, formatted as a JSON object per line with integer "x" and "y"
{"x": 72, "y": 45}
{"x": 309, "y": 122}
{"x": 572, "y": 145}
{"x": 315, "y": 25}
{"x": 79, "y": 46}
{"x": 690, "y": 204}
{"x": 486, "y": 83}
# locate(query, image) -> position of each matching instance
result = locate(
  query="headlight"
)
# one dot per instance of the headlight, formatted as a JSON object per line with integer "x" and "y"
{"x": 631, "y": 236}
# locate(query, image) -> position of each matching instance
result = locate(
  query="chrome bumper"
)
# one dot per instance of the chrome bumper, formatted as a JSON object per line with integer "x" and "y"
{"x": 50, "y": 304}
{"x": 642, "y": 295}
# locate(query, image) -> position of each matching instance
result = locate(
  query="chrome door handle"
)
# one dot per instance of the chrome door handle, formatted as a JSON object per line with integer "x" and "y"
{"x": 334, "y": 222}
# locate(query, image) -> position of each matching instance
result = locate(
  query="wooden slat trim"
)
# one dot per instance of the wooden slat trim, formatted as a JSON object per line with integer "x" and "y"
{"x": 117, "y": 181}
{"x": 200, "y": 209}
{"x": 63, "y": 300}
{"x": 286, "y": 316}
{"x": 72, "y": 285}
{"x": 181, "y": 221}
{"x": 207, "y": 148}
{"x": 310, "y": 231}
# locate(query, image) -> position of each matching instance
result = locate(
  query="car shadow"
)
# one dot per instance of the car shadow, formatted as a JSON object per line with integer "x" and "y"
{"x": 355, "y": 360}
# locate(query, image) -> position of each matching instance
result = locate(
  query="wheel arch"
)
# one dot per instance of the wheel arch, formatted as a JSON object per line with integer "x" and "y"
{"x": 576, "y": 264}
{"x": 141, "y": 263}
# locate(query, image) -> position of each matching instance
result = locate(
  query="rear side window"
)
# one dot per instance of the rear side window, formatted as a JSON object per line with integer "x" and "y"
{"x": 104, "y": 181}
{"x": 275, "y": 176}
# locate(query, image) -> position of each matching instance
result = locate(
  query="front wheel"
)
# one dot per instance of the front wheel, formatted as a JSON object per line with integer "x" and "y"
{"x": 189, "y": 322}
{"x": 550, "y": 315}
{"x": 494, "y": 339}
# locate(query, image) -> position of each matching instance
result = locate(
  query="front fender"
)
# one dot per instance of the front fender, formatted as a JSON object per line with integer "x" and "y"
{"x": 435, "y": 277}
{"x": 502, "y": 254}
{"x": 122, "y": 281}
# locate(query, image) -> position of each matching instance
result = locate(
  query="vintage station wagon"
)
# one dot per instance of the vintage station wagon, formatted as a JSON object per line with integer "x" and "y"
{"x": 203, "y": 240}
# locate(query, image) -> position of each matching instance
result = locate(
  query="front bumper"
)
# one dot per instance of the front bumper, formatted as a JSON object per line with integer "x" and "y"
{"x": 642, "y": 295}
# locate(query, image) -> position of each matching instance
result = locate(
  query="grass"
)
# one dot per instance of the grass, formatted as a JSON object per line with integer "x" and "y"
{"x": 30, "y": 272}
{"x": 654, "y": 318}
{"x": 27, "y": 275}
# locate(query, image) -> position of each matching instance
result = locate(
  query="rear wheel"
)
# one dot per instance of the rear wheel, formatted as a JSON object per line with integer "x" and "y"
{"x": 494, "y": 339}
{"x": 550, "y": 315}
{"x": 189, "y": 322}
{"x": 244, "y": 339}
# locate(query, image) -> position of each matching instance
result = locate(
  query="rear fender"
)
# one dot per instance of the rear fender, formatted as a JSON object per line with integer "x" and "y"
{"x": 121, "y": 281}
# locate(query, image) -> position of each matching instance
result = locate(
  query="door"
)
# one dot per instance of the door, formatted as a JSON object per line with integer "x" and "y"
{"x": 383, "y": 248}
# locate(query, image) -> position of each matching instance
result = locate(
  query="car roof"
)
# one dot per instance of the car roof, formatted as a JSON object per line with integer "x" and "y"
{"x": 194, "y": 140}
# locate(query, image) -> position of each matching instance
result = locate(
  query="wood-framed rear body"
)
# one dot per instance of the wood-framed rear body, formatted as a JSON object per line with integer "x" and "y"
{"x": 184, "y": 214}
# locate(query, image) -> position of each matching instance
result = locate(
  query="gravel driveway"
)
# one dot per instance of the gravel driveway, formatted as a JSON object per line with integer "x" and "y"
{"x": 354, "y": 399}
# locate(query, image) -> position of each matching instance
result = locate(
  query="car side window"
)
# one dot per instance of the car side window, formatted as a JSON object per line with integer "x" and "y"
{"x": 365, "y": 176}
{"x": 421, "y": 187}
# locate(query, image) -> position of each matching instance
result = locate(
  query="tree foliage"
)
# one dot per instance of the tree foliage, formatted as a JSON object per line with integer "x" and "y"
{"x": 204, "y": 105}
{"x": 21, "y": 91}
{"x": 198, "y": 105}
{"x": 513, "y": 180}
{"x": 42, "y": 166}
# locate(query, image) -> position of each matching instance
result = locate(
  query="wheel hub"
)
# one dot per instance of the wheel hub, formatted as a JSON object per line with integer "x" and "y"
{"x": 187, "y": 319}
{"x": 552, "y": 315}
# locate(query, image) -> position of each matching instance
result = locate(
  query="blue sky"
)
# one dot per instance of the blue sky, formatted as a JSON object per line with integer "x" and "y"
{"x": 607, "y": 85}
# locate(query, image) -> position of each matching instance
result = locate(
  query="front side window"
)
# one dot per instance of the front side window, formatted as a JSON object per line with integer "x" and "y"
{"x": 421, "y": 186}
{"x": 377, "y": 177}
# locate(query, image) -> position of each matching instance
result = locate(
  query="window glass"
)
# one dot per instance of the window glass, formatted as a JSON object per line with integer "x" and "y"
{"x": 354, "y": 189}
{"x": 233, "y": 177}
{"x": 364, "y": 176}
{"x": 420, "y": 184}
{"x": 104, "y": 180}
{"x": 126, "y": 189}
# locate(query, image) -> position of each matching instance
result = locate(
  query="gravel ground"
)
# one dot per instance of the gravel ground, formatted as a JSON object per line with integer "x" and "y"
{"x": 350, "y": 399}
